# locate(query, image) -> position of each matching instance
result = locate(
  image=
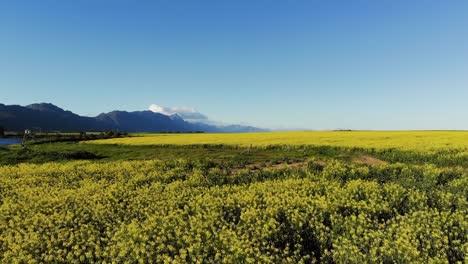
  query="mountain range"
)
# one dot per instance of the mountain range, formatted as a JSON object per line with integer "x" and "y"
{"x": 48, "y": 117}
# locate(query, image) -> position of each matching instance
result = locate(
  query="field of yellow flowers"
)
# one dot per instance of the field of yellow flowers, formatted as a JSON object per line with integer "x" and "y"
{"x": 402, "y": 140}
{"x": 402, "y": 208}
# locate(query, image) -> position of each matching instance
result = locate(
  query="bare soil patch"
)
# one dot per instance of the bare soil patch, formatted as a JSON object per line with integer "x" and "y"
{"x": 262, "y": 166}
{"x": 368, "y": 160}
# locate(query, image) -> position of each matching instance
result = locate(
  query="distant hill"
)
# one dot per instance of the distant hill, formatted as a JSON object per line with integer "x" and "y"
{"x": 227, "y": 128}
{"x": 49, "y": 117}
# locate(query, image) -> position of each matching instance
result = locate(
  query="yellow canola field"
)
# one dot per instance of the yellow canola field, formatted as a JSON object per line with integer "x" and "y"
{"x": 403, "y": 140}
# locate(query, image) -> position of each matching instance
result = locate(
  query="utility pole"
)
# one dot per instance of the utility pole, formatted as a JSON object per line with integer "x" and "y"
{"x": 27, "y": 132}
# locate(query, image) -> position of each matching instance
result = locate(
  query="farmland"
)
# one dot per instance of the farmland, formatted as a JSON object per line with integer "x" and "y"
{"x": 402, "y": 140}
{"x": 296, "y": 197}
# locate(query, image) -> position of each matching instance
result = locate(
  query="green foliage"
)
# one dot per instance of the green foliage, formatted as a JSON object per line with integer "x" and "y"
{"x": 182, "y": 211}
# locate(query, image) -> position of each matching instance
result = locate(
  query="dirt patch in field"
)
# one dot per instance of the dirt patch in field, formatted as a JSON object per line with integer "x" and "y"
{"x": 263, "y": 166}
{"x": 288, "y": 165}
{"x": 368, "y": 160}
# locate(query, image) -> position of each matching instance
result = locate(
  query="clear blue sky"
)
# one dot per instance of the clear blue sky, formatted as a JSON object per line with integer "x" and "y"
{"x": 289, "y": 64}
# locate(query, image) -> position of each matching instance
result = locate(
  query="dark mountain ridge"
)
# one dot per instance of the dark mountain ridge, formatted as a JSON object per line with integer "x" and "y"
{"x": 47, "y": 117}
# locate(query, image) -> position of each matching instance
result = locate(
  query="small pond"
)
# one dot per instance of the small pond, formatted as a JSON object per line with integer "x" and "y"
{"x": 9, "y": 141}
